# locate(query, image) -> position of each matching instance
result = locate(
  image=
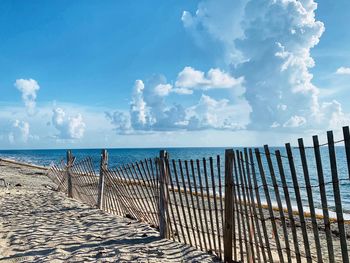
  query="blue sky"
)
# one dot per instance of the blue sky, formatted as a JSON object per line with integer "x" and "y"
{"x": 171, "y": 73}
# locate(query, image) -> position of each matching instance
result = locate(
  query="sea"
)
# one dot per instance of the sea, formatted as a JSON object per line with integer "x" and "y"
{"x": 124, "y": 156}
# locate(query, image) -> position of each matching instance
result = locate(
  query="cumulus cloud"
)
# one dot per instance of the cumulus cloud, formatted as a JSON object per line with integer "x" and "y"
{"x": 209, "y": 113}
{"x": 343, "y": 71}
{"x": 69, "y": 127}
{"x": 120, "y": 120}
{"x": 189, "y": 78}
{"x": 269, "y": 43}
{"x": 217, "y": 23}
{"x": 28, "y": 88}
{"x": 267, "y": 83}
{"x": 20, "y": 132}
{"x": 149, "y": 110}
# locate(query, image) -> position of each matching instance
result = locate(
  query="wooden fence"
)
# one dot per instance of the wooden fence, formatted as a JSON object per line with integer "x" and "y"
{"x": 282, "y": 204}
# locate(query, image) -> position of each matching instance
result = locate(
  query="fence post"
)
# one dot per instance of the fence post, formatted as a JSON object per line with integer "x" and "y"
{"x": 101, "y": 183}
{"x": 163, "y": 198}
{"x": 70, "y": 161}
{"x": 228, "y": 229}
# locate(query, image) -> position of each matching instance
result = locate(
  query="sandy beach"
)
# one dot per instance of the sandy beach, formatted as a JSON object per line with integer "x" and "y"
{"x": 42, "y": 225}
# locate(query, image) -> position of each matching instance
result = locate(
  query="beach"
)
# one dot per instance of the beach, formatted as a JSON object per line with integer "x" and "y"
{"x": 40, "y": 224}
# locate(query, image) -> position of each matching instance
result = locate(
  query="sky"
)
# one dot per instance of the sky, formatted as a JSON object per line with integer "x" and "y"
{"x": 93, "y": 74}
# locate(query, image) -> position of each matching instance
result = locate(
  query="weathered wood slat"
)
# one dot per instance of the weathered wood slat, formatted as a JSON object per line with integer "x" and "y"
{"x": 188, "y": 207}
{"x": 337, "y": 198}
{"x": 198, "y": 205}
{"x": 171, "y": 175}
{"x": 212, "y": 175}
{"x": 310, "y": 199}
{"x": 261, "y": 213}
{"x": 323, "y": 199}
{"x": 299, "y": 202}
{"x": 255, "y": 222}
{"x": 269, "y": 204}
{"x": 250, "y": 247}
{"x": 250, "y": 204}
{"x": 228, "y": 205}
{"x": 213, "y": 248}
{"x": 279, "y": 202}
{"x": 346, "y": 134}
{"x": 289, "y": 206}
{"x": 193, "y": 206}
{"x": 207, "y": 245}
{"x": 239, "y": 211}
{"x": 163, "y": 198}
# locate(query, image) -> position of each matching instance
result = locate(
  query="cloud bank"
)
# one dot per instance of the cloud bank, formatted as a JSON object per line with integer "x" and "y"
{"x": 151, "y": 111}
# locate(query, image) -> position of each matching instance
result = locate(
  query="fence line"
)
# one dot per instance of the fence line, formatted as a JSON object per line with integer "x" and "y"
{"x": 263, "y": 208}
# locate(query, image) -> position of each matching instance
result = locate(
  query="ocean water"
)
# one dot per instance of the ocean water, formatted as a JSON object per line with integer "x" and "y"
{"x": 124, "y": 156}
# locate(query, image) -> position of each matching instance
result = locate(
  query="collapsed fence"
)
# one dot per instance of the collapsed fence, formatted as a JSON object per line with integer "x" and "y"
{"x": 257, "y": 205}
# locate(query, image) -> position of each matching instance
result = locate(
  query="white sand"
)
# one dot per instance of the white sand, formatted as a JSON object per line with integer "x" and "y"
{"x": 41, "y": 225}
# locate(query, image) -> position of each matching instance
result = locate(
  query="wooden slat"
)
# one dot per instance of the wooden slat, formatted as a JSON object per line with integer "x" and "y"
{"x": 188, "y": 205}
{"x": 299, "y": 202}
{"x": 323, "y": 199}
{"x": 255, "y": 223}
{"x": 142, "y": 193}
{"x": 198, "y": 205}
{"x": 176, "y": 205}
{"x": 212, "y": 175}
{"x": 182, "y": 203}
{"x": 250, "y": 204}
{"x": 163, "y": 199}
{"x": 269, "y": 204}
{"x": 103, "y": 167}
{"x": 310, "y": 199}
{"x": 289, "y": 206}
{"x": 228, "y": 205}
{"x": 239, "y": 211}
{"x": 220, "y": 191}
{"x": 261, "y": 213}
{"x": 213, "y": 248}
{"x": 337, "y": 197}
{"x": 346, "y": 134}
{"x": 207, "y": 245}
{"x": 193, "y": 206}
{"x": 278, "y": 199}
{"x": 250, "y": 248}
{"x": 149, "y": 199}
{"x": 69, "y": 175}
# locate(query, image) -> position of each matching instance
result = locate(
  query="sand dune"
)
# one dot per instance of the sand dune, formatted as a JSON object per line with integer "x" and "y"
{"x": 42, "y": 225}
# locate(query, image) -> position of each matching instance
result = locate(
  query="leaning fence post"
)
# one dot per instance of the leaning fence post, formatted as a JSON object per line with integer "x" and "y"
{"x": 163, "y": 198}
{"x": 228, "y": 229}
{"x": 70, "y": 161}
{"x": 101, "y": 183}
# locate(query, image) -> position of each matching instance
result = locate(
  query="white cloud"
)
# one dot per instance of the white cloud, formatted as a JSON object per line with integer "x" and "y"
{"x": 163, "y": 89}
{"x": 217, "y": 23}
{"x": 268, "y": 43}
{"x": 28, "y": 88}
{"x": 150, "y": 112}
{"x": 343, "y": 71}
{"x": 69, "y": 127}
{"x": 190, "y": 78}
{"x": 121, "y": 121}
{"x": 20, "y": 132}
{"x": 209, "y": 113}
{"x": 294, "y": 122}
